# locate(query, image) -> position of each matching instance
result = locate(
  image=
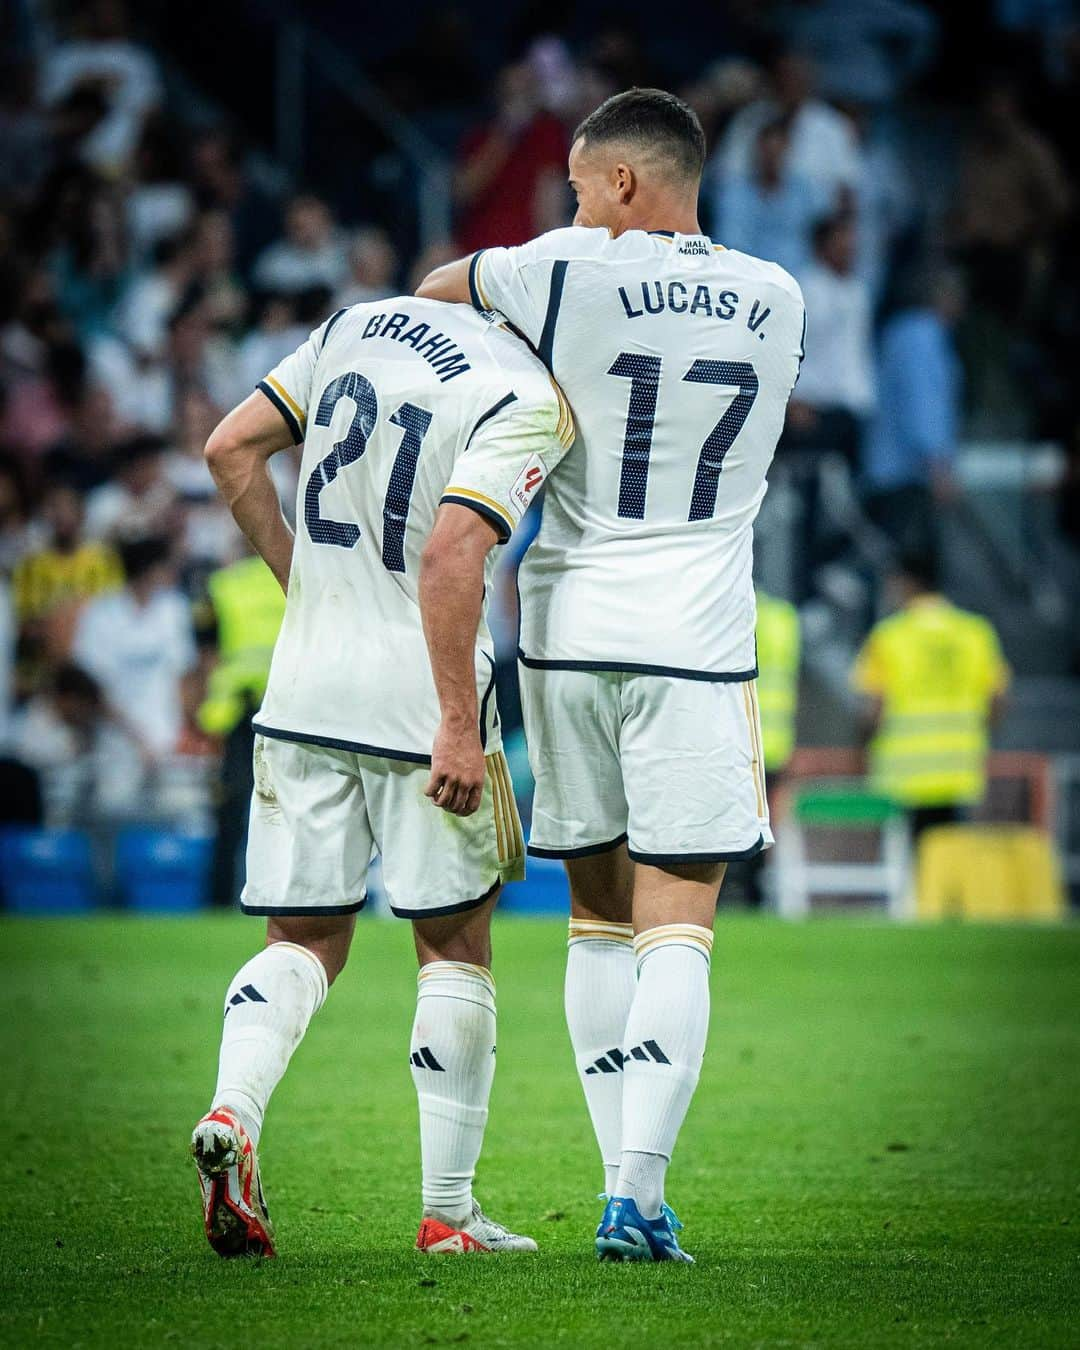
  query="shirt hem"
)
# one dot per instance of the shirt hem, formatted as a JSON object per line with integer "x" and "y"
{"x": 641, "y": 668}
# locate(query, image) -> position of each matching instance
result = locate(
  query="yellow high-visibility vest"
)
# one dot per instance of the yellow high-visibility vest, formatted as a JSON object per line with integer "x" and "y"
{"x": 936, "y": 670}
{"x": 249, "y": 605}
{"x": 778, "y": 677}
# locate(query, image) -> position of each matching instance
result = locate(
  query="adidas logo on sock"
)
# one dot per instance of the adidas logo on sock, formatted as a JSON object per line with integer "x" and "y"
{"x": 613, "y": 1061}
{"x": 424, "y": 1059}
{"x": 248, "y": 994}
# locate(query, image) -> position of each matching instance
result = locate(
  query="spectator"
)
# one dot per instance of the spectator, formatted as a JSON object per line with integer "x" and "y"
{"x": 373, "y": 265}
{"x": 771, "y": 211}
{"x": 867, "y": 51}
{"x": 212, "y": 250}
{"x": 835, "y": 392}
{"x": 274, "y": 334}
{"x": 142, "y": 318}
{"x": 933, "y": 679}
{"x": 138, "y": 500}
{"x": 89, "y": 261}
{"x": 510, "y": 182}
{"x": 911, "y": 444}
{"x": 18, "y": 536}
{"x": 822, "y": 144}
{"x": 105, "y": 59}
{"x": 69, "y": 568}
{"x": 1013, "y": 196}
{"x": 311, "y": 253}
{"x": 210, "y": 535}
{"x": 82, "y": 455}
{"x": 87, "y": 764}
{"x": 222, "y": 181}
{"x": 138, "y": 644}
{"x": 160, "y": 204}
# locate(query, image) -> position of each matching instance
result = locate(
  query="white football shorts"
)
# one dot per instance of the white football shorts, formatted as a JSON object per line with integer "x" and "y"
{"x": 673, "y": 766}
{"x": 318, "y": 814}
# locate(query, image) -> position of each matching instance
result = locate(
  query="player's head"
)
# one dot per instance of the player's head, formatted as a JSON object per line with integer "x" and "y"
{"x": 639, "y": 149}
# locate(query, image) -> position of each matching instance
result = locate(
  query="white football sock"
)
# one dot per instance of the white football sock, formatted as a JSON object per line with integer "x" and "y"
{"x": 453, "y": 1063}
{"x": 267, "y": 1010}
{"x": 663, "y": 1049}
{"x": 601, "y": 977}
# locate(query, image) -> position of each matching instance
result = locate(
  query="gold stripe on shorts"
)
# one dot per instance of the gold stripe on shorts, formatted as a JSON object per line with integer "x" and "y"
{"x": 513, "y": 819}
{"x": 496, "y": 801}
{"x": 755, "y": 751}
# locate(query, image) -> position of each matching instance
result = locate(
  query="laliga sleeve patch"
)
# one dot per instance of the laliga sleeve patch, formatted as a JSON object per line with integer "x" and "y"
{"x": 528, "y": 483}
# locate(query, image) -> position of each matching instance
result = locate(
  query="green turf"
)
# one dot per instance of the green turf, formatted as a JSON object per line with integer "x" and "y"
{"x": 883, "y": 1150}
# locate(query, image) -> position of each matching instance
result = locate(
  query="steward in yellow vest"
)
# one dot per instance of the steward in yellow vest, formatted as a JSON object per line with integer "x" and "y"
{"x": 778, "y": 652}
{"x": 935, "y": 678}
{"x": 248, "y": 608}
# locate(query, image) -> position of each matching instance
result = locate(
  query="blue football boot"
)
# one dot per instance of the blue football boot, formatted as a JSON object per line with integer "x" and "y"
{"x": 626, "y": 1235}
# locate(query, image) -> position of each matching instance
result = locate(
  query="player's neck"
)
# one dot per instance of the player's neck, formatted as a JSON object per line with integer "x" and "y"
{"x": 671, "y": 217}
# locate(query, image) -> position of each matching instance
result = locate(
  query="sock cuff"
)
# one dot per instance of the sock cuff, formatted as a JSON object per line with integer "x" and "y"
{"x": 599, "y": 930}
{"x": 674, "y": 935}
{"x": 307, "y": 959}
{"x": 465, "y": 980}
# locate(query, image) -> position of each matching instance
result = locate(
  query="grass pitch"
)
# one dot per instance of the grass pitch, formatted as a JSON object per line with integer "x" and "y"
{"x": 883, "y": 1150}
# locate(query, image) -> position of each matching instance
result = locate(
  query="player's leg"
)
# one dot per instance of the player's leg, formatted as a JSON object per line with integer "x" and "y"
{"x": 308, "y": 850}
{"x": 600, "y": 981}
{"x": 444, "y": 873}
{"x": 572, "y": 723}
{"x": 692, "y": 776}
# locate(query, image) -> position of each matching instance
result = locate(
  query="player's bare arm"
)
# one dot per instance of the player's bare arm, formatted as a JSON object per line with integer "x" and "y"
{"x": 449, "y": 282}
{"x": 237, "y": 454}
{"x": 451, "y": 600}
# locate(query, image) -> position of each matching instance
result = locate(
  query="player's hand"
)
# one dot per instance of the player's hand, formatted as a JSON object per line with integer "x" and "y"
{"x": 457, "y": 770}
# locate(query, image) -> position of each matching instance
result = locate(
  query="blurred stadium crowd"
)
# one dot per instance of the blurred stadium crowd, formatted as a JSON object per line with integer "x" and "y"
{"x": 154, "y": 265}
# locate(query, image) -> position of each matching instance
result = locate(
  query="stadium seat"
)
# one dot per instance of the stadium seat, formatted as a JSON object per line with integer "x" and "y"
{"x": 875, "y": 822}
{"x": 46, "y": 871}
{"x": 544, "y": 890}
{"x": 988, "y": 872}
{"x": 162, "y": 871}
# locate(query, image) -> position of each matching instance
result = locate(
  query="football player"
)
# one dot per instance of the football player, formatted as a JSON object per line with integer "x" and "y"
{"x": 637, "y": 609}
{"x": 427, "y": 430}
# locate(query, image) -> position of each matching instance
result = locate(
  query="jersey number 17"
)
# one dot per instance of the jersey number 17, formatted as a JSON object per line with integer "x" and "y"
{"x": 643, "y": 372}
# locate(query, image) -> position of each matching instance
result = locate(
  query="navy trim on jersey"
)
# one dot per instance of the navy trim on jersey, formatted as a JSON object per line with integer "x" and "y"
{"x": 802, "y": 349}
{"x": 504, "y": 402}
{"x": 294, "y": 431}
{"x": 329, "y": 324}
{"x": 474, "y": 292}
{"x": 298, "y": 911}
{"x": 481, "y": 510}
{"x": 283, "y": 408}
{"x": 658, "y": 858}
{"x": 333, "y": 743}
{"x": 586, "y": 850}
{"x": 547, "y": 335}
{"x": 668, "y": 234}
{"x": 484, "y": 702}
{"x": 635, "y": 668}
{"x": 442, "y": 910}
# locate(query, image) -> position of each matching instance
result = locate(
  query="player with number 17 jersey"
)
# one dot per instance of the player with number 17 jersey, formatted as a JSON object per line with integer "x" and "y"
{"x": 678, "y": 357}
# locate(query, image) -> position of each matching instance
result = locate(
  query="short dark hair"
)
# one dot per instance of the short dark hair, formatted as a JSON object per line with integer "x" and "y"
{"x": 920, "y": 570}
{"x": 652, "y": 118}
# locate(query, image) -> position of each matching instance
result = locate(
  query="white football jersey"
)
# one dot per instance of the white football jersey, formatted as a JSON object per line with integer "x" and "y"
{"x": 400, "y": 404}
{"x": 678, "y": 357}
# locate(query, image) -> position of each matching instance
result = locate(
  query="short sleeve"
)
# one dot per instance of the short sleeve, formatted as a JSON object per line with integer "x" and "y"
{"x": 868, "y": 675}
{"x": 512, "y": 449}
{"x": 524, "y": 283}
{"x": 289, "y": 384}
